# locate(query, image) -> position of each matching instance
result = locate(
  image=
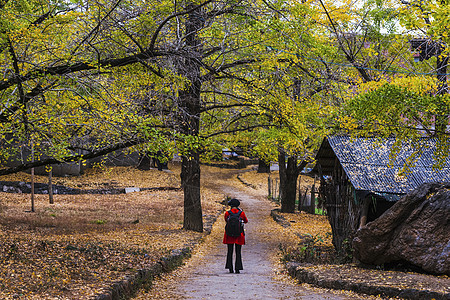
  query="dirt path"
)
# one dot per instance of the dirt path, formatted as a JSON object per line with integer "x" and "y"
{"x": 204, "y": 276}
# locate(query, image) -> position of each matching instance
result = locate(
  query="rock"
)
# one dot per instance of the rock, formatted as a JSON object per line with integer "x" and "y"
{"x": 131, "y": 190}
{"x": 415, "y": 230}
{"x": 275, "y": 213}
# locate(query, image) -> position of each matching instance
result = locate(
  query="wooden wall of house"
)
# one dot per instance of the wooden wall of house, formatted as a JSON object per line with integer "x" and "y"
{"x": 343, "y": 209}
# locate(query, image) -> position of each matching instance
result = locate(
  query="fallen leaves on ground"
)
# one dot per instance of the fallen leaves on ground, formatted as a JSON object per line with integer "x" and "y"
{"x": 104, "y": 177}
{"x": 77, "y": 247}
{"x": 375, "y": 277}
{"x": 305, "y": 224}
{"x": 259, "y": 181}
{"x": 267, "y": 234}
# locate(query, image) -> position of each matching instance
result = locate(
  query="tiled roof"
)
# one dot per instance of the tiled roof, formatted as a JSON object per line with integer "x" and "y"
{"x": 371, "y": 165}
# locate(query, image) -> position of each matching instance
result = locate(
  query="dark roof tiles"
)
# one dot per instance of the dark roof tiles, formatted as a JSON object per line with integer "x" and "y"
{"x": 371, "y": 165}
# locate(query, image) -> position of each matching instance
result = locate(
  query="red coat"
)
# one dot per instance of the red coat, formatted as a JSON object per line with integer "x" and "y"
{"x": 240, "y": 240}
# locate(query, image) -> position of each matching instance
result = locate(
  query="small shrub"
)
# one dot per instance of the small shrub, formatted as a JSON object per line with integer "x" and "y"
{"x": 310, "y": 250}
{"x": 345, "y": 254}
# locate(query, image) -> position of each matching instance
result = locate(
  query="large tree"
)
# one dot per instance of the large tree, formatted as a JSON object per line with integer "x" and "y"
{"x": 98, "y": 76}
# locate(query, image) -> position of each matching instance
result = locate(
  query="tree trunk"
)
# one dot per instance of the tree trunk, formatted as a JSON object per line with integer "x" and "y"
{"x": 282, "y": 170}
{"x": 50, "y": 186}
{"x": 190, "y": 178}
{"x": 288, "y": 182}
{"x": 263, "y": 167}
{"x": 190, "y": 109}
{"x": 144, "y": 162}
{"x": 32, "y": 190}
{"x": 32, "y": 178}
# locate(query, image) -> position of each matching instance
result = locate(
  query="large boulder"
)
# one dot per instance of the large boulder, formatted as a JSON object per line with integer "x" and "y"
{"x": 415, "y": 230}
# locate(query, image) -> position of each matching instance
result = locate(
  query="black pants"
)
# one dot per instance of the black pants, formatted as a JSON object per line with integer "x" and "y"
{"x": 238, "y": 263}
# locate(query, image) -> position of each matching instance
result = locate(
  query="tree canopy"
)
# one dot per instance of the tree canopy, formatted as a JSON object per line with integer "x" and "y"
{"x": 83, "y": 78}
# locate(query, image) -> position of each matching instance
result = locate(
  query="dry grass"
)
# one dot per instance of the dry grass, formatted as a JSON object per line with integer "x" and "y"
{"x": 109, "y": 177}
{"x": 307, "y": 224}
{"x": 76, "y": 247}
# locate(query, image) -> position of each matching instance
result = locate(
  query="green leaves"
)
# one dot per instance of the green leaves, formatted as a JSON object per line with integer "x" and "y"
{"x": 404, "y": 107}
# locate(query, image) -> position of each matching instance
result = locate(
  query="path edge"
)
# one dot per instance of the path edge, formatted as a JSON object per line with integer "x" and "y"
{"x": 305, "y": 276}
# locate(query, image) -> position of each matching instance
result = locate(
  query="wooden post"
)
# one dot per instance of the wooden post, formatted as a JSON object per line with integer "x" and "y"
{"x": 272, "y": 182}
{"x": 80, "y": 162}
{"x": 269, "y": 192}
{"x": 304, "y": 199}
{"x": 313, "y": 197}
{"x": 50, "y": 186}
{"x": 299, "y": 200}
{"x": 364, "y": 212}
{"x": 276, "y": 187}
{"x": 299, "y": 193}
{"x": 32, "y": 178}
{"x": 279, "y": 191}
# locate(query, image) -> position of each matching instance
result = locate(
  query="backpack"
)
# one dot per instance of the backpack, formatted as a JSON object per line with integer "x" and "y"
{"x": 234, "y": 227}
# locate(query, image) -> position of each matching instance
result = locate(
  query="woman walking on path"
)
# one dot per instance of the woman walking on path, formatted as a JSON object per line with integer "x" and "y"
{"x": 234, "y": 239}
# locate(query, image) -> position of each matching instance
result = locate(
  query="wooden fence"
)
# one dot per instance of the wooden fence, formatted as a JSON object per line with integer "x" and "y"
{"x": 306, "y": 198}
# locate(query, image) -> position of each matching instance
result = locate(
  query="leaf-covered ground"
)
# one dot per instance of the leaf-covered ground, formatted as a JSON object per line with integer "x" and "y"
{"x": 78, "y": 246}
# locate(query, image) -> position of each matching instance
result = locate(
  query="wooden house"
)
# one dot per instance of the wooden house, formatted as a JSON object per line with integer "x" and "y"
{"x": 362, "y": 178}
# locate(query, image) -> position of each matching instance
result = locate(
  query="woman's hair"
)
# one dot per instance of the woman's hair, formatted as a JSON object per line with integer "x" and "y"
{"x": 234, "y": 202}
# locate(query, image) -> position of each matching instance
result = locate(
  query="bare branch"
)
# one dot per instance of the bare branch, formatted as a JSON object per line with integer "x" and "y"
{"x": 350, "y": 58}
{"x": 164, "y": 22}
{"x": 248, "y": 128}
{"x": 71, "y": 158}
{"x": 225, "y": 67}
{"x": 95, "y": 29}
{"x": 80, "y": 66}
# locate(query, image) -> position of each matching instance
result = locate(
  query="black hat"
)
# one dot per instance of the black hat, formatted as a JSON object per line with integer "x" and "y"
{"x": 234, "y": 202}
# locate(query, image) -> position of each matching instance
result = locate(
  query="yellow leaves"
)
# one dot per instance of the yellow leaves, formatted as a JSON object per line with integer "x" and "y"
{"x": 370, "y": 86}
{"x": 348, "y": 123}
{"x": 421, "y": 85}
